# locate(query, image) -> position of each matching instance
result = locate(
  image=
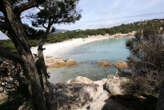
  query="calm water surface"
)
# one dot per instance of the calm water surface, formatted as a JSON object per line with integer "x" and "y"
{"x": 87, "y": 55}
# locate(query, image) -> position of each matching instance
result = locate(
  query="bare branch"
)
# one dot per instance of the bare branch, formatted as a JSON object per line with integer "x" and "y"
{"x": 44, "y": 26}
{"x": 22, "y": 7}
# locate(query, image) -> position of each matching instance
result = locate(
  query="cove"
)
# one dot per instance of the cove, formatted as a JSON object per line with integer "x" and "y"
{"x": 87, "y": 55}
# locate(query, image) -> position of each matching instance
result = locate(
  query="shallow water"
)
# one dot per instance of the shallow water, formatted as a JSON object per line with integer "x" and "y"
{"x": 87, "y": 55}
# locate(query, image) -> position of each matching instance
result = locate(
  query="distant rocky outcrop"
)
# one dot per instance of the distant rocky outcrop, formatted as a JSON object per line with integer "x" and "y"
{"x": 118, "y": 35}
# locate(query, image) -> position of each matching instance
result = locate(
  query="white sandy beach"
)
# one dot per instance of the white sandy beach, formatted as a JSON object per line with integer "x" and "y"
{"x": 61, "y": 48}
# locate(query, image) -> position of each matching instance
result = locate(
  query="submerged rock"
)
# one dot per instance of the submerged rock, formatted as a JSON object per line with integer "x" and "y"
{"x": 52, "y": 62}
{"x": 71, "y": 62}
{"x": 120, "y": 64}
{"x": 103, "y": 63}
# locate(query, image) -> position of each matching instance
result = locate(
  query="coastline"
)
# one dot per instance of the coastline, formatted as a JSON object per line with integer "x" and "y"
{"x": 59, "y": 49}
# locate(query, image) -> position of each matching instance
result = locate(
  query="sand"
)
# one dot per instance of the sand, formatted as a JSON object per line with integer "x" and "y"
{"x": 61, "y": 48}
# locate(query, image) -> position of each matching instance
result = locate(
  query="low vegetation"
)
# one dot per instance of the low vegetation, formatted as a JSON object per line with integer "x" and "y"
{"x": 61, "y": 36}
{"x": 147, "y": 62}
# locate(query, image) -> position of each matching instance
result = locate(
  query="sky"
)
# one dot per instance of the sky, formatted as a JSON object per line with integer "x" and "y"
{"x": 108, "y": 13}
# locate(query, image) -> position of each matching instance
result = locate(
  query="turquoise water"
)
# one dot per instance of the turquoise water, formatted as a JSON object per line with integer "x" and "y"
{"x": 87, "y": 55}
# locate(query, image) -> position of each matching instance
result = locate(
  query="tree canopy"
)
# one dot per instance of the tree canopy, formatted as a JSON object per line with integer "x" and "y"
{"x": 55, "y": 12}
{"x": 11, "y": 25}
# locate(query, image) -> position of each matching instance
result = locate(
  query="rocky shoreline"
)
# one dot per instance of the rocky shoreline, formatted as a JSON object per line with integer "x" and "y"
{"x": 82, "y": 93}
{"x": 85, "y": 94}
{"x": 111, "y": 93}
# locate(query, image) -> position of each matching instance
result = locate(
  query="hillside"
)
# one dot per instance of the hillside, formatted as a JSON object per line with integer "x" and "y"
{"x": 61, "y": 36}
{"x": 124, "y": 28}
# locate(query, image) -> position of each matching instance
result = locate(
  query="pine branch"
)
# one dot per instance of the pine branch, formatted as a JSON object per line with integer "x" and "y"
{"x": 27, "y": 5}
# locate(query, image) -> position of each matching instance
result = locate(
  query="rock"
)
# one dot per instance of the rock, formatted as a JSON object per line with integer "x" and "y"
{"x": 97, "y": 104}
{"x": 120, "y": 64}
{"x": 124, "y": 72}
{"x": 100, "y": 82}
{"x": 71, "y": 62}
{"x": 80, "y": 94}
{"x": 80, "y": 79}
{"x": 1, "y": 89}
{"x": 112, "y": 104}
{"x": 10, "y": 77}
{"x": 3, "y": 97}
{"x": 54, "y": 62}
{"x": 115, "y": 84}
{"x": 59, "y": 62}
{"x": 103, "y": 63}
{"x": 85, "y": 94}
{"x": 25, "y": 106}
{"x": 69, "y": 81}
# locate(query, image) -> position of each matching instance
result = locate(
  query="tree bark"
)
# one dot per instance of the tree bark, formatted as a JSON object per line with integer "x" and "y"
{"x": 42, "y": 69}
{"x": 160, "y": 103}
{"x": 24, "y": 51}
{"x": 41, "y": 62}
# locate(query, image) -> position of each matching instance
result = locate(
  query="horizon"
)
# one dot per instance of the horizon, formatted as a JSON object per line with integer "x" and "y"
{"x": 4, "y": 37}
{"x": 94, "y": 15}
{"x": 105, "y": 14}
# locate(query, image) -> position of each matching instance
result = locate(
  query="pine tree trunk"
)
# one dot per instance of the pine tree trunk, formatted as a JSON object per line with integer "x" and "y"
{"x": 42, "y": 69}
{"x": 160, "y": 104}
{"x": 41, "y": 65}
{"x": 23, "y": 48}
